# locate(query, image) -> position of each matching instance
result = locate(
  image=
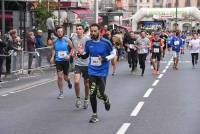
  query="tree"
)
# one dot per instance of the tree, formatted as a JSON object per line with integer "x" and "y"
{"x": 42, "y": 14}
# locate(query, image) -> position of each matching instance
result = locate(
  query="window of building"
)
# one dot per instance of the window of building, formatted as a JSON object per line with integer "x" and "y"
{"x": 157, "y": 1}
{"x": 147, "y": 0}
{"x": 187, "y": 3}
{"x": 140, "y": 1}
{"x": 198, "y": 3}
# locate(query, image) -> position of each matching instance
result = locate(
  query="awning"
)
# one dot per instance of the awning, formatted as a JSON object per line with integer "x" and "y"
{"x": 86, "y": 14}
{"x": 7, "y": 15}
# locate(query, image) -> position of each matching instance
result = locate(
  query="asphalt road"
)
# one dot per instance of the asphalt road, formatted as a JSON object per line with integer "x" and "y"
{"x": 164, "y": 104}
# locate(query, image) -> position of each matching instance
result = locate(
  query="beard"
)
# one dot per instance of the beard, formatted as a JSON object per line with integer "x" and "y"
{"x": 95, "y": 37}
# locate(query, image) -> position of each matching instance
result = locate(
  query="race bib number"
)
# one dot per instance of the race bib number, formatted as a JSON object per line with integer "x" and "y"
{"x": 176, "y": 43}
{"x": 156, "y": 50}
{"x": 131, "y": 46}
{"x": 62, "y": 54}
{"x": 95, "y": 61}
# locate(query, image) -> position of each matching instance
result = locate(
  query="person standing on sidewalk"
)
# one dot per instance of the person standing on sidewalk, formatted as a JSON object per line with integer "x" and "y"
{"x": 81, "y": 66}
{"x": 2, "y": 52}
{"x": 31, "y": 49}
{"x": 60, "y": 55}
{"x": 100, "y": 51}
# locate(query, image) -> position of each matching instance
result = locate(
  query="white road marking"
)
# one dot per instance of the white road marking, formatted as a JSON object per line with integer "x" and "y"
{"x": 4, "y": 95}
{"x": 164, "y": 71}
{"x": 166, "y": 67}
{"x": 155, "y": 83}
{"x": 123, "y": 128}
{"x": 12, "y": 92}
{"x": 26, "y": 88}
{"x": 35, "y": 86}
{"x": 137, "y": 109}
{"x": 147, "y": 94}
{"x": 160, "y": 76}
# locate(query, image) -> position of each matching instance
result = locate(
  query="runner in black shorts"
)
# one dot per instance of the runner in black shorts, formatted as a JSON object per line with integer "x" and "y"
{"x": 81, "y": 66}
{"x": 157, "y": 48}
{"x": 60, "y": 55}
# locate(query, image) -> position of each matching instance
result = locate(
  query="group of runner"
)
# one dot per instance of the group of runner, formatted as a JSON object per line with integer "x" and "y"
{"x": 92, "y": 54}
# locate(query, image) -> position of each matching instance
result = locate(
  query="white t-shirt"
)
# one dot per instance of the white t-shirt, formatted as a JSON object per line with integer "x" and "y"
{"x": 195, "y": 45}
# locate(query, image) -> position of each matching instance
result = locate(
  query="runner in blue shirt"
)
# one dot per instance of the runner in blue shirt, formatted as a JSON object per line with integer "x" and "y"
{"x": 60, "y": 55}
{"x": 100, "y": 51}
{"x": 176, "y": 44}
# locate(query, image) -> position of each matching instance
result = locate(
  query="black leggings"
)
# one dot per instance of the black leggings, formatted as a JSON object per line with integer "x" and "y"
{"x": 97, "y": 88}
{"x": 142, "y": 59}
{"x": 133, "y": 59}
{"x": 195, "y": 57}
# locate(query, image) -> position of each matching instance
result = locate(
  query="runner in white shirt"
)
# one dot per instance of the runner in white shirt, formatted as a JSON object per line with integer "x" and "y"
{"x": 194, "y": 46}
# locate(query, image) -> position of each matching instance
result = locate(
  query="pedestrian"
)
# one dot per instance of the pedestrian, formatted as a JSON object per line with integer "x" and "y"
{"x": 194, "y": 46}
{"x": 132, "y": 51}
{"x": 14, "y": 44}
{"x": 40, "y": 47}
{"x": 156, "y": 46}
{"x": 176, "y": 43}
{"x": 81, "y": 66}
{"x": 60, "y": 55}
{"x": 2, "y": 53}
{"x": 100, "y": 51}
{"x": 117, "y": 44}
{"x": 31, "y": 49}
{"x": 142, "y": 49}
{"x": 50, "y": 27}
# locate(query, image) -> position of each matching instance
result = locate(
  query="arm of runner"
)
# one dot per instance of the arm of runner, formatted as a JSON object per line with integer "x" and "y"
{"x": 71, "y": 47}
{"x": 52, "y": 61}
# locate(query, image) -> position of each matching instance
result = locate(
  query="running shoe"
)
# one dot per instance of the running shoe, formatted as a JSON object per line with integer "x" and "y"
{"x": 107, "y": 104}
{"x": 69, "y": 85}
{"x": 78, "y": 103}
{"x": 85, "y": 104}
{"x": 94, "y": 118}
{"x": 60, "y": 96}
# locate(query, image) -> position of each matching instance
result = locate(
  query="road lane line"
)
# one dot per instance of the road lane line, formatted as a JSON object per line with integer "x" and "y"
{"x": 160, "y": 76}
{"x": 155, "y": 83}
{"x": 147, "y": 94}
{"x": 164, "y": 71}
{"x": 4, "y": 95}
{"x": 137, "y": 109}
{"x": 12, "y": 92}
{"x": 43, "y": 83}
{"x": 123, "y": 128}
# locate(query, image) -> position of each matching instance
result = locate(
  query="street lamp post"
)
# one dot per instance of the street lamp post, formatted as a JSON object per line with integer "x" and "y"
{"x": 3, "y": 16}
{"x": 58, "y": 12}
{"x": 96, "y": 4}
{"x": 176, "y": 15}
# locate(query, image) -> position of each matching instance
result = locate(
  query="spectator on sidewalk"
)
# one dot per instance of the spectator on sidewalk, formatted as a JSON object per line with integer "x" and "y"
{"x": 14, "y": 43}
{"x": 50, "y": 27}
{"x": 39, "y": 45}
{"x": 31, "y": 48}
{"x": 2, "y": 48}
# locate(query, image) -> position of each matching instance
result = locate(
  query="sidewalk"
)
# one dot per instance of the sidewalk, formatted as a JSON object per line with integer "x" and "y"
{"x": 13, "y": 80}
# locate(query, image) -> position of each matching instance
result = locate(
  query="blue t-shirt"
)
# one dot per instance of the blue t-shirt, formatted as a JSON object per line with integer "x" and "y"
{"x": 61, "y": 49}
{"x": 176, "y": 43}
{"x": 183, "y": 37}
{"x": 103, "y": 48}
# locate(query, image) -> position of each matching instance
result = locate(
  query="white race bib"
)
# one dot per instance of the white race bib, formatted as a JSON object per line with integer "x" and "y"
{"x": 176, "y": 43}
{"x": 62, "y": 54}
{"x": 95, "y": 61}
{"x": 156, "y": 50}
{"x": 131, "y": 46}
